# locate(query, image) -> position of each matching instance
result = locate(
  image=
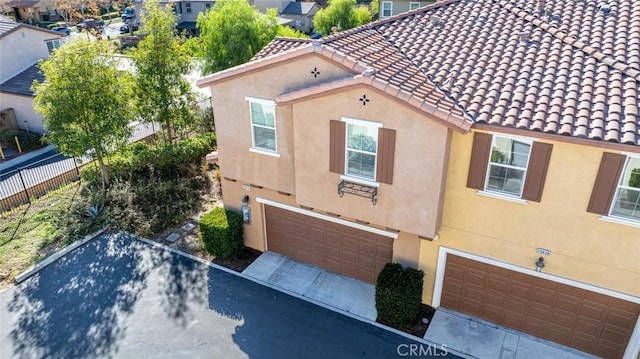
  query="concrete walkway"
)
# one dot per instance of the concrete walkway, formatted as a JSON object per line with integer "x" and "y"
{"x": 335, "y": 290}
{"x": 480, "y": 339}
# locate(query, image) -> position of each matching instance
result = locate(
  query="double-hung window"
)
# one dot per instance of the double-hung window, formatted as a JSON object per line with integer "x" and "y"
{"x": 263, "y": 124}
{"x": 387, "y": 8}
{"x": 508, "y": 167}
{"x": 188, "y": 6}
{"x": 616, "y": 191}
{"x": 627, "y": 199}
{"x": 52, "y": 44}
{"x": 414, "y": 5}
{"x": 361, "y": 149}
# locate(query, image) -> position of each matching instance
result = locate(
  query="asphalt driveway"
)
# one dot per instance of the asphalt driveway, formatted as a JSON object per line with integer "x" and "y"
{"x": 119, "y": 297}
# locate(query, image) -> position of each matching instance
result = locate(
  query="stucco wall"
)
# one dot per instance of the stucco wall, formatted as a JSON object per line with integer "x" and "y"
{"x": 233, "y": 123}
{"x": 21, "y": 49}
{"x": 411, "y": 203}
{"x": 583, "y": 248}
{"x": 26, "y": 116}
{"x": 406, "y": 247}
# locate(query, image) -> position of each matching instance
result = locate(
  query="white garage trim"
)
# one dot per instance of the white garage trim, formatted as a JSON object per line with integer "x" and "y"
{"x": 324, "y": 217}
{"x": 633, "y": 348}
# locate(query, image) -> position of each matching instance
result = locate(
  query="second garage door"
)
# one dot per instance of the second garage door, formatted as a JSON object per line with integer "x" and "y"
{"x": 353, "y": 252}
{"x": 586, "y": 320}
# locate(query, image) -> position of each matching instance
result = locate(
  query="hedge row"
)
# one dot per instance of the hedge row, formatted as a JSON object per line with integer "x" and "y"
{"x": 398, "y": 295}
{"x": 139, "y": 161}
{"x": 29, "y": 141}
{"x": 221, "y": 231}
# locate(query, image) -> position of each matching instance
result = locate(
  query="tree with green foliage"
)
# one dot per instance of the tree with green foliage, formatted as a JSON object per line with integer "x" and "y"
{"x": 343, "y": 14}
{"x": 85, "y": 100}
{"x": 162, "y": 94}
{"x": 233, "y": 31}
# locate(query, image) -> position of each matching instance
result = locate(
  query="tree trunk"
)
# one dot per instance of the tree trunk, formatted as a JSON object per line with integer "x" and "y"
{"x": 169, "y": 132}
{"x": 103, "y": 171}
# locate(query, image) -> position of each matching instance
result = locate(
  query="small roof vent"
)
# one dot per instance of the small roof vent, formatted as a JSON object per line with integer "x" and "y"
{"x": 436, "y": 21}
{"x": 370, "y": 71}
{"x": 604, "y": 7}
{"x": 524, "y": 36}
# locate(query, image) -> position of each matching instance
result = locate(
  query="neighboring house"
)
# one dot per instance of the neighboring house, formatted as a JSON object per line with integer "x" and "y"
{"x": 393, "y": 7}
{"x": 187, "y": 12}
{"x": 467, "y": 139}
{"x": 301, "y": 14}
{"x": 27, "y": 11}
{"x": 21, "y": 47}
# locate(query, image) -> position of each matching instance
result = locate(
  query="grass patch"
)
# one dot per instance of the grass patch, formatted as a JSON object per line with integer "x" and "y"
{"x": 28, "y": 233}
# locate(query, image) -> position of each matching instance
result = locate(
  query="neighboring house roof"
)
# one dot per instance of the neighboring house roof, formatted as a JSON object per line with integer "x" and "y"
{"x": 8, "y": 26}
{"x": 570, "y": 68}
{"x": 22, "y": 3}
{"x": 298, "y": 8}
{"x": 21, "y": 83}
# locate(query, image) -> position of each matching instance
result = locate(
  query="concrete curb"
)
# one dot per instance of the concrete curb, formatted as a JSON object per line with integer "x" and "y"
{"x": 296, "y": 295}
{"x": 54, "y": 257}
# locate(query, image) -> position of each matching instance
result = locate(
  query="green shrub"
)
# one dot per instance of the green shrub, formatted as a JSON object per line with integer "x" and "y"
{"x": 398, "y": 295}
{"x": 139, "y": 161}
{"x": 29, "y": 141}
{"x": 221, "y": 231}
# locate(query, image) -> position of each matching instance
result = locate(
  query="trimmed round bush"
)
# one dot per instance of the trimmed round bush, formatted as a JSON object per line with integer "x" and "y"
{"x": 398, "y": 295}
{"x": 221, "y": 231}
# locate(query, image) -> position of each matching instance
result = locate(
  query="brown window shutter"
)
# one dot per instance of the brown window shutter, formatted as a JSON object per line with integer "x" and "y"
{"x": 605, "y": 187}
{"x": 386, "y": 155}
{"x": 336, "y": 146}
{"x": 479, "y": 160}
{"x": 537, "y": 171}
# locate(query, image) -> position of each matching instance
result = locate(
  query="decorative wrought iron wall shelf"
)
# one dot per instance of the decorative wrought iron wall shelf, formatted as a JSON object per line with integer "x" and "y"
{"x": 358, "y": 190}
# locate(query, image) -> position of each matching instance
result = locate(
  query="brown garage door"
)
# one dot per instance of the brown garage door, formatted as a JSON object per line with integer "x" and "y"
{"x": 339, "y": 248}
{"x": 588, "y": 321}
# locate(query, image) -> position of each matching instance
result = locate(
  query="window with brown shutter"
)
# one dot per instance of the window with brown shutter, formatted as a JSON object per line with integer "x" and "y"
{"x": 604, "y": 188}
{"x": 386, "y": 154}
{"x": 537, "y": 171}
{"x": 337, "y": 138}
{"x": 479, "y": 160}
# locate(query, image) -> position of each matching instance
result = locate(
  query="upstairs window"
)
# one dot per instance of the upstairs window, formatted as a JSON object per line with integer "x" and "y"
{"x": 362, "y": 145}
{"x": 616, "y": 192}
{"x": 263, "y": 124}
{"x": 414, "y": 5}
{"x": 207, "y": 5}
{"x": 387, "y": 8}
{"x": 188, "y": 6}
{"x": 52, "y": 44}
{"x": 508, "y": 166}
{"x": 362, "y": 151}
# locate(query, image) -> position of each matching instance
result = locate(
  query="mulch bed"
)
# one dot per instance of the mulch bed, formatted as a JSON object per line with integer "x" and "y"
{"x": 419, "y": 327}
{"x": 246, "y": 257}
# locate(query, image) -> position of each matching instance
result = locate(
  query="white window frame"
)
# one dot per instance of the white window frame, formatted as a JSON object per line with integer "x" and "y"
{"x": 413, "y": 5}
{"x": 53, "y": 43}
{"x": 488, "y": 190}
{"x": 382, "y": 9}
{"x": 620, "y": 187}
{"x": 354, "y": 178}
{"x": 188, "y": 7}
{"x": 255, "y": 148}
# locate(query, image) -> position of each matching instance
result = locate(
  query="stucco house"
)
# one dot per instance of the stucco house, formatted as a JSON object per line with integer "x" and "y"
{"x": 21, "y": 47}
{"x": 493, "y": 144}
{"x": 301, "y": 14}
{"x": 389, "y": 8}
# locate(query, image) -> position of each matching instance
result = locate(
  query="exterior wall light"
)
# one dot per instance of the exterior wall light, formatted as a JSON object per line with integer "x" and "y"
{"x": 246, "y": 211}
{"x": 540, "y": 264}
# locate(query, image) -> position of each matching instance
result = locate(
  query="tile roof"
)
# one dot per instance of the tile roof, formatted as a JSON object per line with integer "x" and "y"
{"x": 6, "y": 25}
{"x": 567, "y": 67}
{"x": 20, "y": 84}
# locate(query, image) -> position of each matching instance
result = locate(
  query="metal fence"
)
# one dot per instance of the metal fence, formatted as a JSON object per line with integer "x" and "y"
{"x": 21, "y": 185}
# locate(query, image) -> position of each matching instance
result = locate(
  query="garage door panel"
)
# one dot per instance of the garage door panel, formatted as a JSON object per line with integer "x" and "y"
{"x": 569, "y": 315}
{"x": 353, "y": 252}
